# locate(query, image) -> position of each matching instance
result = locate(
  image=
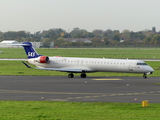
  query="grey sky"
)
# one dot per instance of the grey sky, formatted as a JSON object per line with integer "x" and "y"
{"x": 38, "y": 15}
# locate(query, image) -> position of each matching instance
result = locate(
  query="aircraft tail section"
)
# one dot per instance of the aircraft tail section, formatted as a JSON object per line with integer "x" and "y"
{"x": 30, "y": 51}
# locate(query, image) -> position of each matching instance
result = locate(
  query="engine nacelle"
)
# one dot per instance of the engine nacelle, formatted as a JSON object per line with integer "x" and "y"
{"x": 42, "y": 59}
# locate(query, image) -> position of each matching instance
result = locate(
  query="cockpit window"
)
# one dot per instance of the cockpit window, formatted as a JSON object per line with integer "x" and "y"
{"x": 141, "y": 64}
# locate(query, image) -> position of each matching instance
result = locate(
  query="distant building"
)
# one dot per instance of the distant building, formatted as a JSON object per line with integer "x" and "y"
{"x": 51, "y": 45}
{"x": 8, "y": 44}
{"x": 154, "y": 29}
{"x": 37, "y": 44}
{"x": 122, "y": 40}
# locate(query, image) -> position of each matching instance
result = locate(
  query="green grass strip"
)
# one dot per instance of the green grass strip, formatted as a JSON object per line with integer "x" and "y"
{"x": 49, "y": 110}
{"x": 130, "y": 53}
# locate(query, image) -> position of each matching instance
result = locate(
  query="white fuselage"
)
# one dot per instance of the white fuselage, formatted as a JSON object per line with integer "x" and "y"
{"x": 96, "y": 65}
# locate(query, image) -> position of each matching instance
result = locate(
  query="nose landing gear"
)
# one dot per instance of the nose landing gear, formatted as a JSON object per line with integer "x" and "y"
{"x": 144, "y": 76}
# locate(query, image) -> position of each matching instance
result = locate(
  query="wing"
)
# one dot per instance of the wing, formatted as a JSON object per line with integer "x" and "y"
{"x": 63, "y": 69}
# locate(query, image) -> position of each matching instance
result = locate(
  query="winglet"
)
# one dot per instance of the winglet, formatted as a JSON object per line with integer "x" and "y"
{"x": 26, "y": 64}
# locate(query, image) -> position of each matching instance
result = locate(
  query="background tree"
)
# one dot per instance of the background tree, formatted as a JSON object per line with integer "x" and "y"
{"x": 59, "y": 42}
{"x": 107, "y": 37}
{"x": 108, "y": 33}
{"x": 146, "y": 40}
{"x": 98, "y": 33}
{"x": 78, "y": 33}
{"x": 96, "y": 42}
{"x": 125, "y": 35}
{"x": 156, "y": 39}
{"x": 106, "y": 40}
{"x": 116, "y": 37}
{"x": 46, "y": 42}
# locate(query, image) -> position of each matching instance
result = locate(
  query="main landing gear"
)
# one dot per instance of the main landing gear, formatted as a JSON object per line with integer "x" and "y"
{"x": 71, "y": 75}
{"x": 83, "y": 75}
{"x": 144, "y": 76}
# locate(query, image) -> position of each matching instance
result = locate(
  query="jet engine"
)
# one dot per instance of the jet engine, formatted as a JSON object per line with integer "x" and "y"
{"x": 42, "y": 59}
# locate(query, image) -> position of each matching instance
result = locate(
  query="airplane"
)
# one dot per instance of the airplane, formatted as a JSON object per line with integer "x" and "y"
{"x": 73, "y": 65}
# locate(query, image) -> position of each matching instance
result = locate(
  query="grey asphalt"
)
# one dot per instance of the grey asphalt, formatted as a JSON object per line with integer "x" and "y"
{"x": 97, "y": 89}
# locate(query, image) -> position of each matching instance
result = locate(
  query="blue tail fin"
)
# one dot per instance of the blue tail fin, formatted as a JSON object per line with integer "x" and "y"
{"x": 30, "y": 51}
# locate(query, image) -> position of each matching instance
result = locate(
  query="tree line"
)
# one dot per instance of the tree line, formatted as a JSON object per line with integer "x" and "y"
{"x": 97, "y": 38}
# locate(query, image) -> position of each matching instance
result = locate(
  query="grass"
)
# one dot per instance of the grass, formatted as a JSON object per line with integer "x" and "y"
{"x": 48, "y": 110}
{"x": 131, "y": 53}
{"x": 157, "y": 83}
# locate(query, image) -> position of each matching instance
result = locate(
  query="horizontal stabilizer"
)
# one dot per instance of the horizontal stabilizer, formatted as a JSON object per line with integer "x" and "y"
{"x": 19, "y": 44}
{"x": 26, "y": 64}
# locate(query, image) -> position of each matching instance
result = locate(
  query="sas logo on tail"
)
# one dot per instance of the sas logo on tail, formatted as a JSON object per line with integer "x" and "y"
{"x": 31, "y": 54}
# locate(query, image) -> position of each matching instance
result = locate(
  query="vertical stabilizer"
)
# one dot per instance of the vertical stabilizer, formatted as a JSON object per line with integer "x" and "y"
{"x": 30, "y": 51}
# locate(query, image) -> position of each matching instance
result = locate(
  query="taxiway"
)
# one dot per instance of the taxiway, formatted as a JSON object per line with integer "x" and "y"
{"x": 97, "y": 89}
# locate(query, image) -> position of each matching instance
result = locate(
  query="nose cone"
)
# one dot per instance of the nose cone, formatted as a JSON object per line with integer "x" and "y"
{"x": 151, "y": 69}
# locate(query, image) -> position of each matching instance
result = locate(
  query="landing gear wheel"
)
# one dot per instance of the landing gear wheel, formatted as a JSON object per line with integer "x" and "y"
{"x": 144, "y": 76}
{"x": 70, "y": 75}
{"x": 83, "y": 75}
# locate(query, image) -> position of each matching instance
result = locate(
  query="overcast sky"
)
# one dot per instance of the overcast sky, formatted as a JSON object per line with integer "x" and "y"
{"x": 38, "y": 15}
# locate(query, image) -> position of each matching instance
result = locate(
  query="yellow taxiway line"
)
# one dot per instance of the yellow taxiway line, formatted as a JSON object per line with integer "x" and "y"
{"x": 109, "y": 79}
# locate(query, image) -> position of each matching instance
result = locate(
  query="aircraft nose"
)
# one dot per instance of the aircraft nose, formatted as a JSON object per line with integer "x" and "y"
{"x": 151, "y": 69}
